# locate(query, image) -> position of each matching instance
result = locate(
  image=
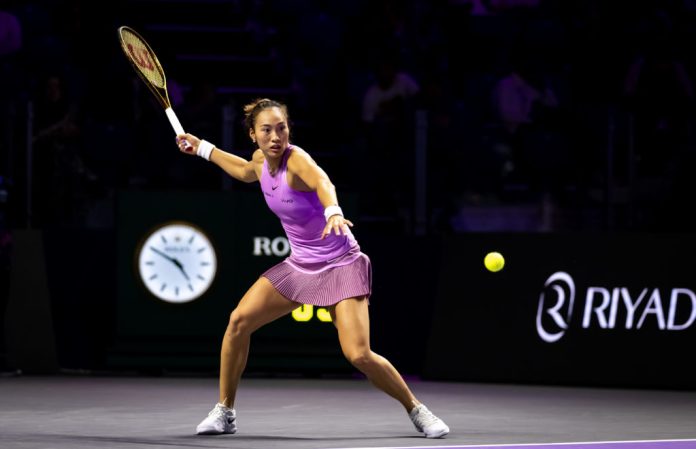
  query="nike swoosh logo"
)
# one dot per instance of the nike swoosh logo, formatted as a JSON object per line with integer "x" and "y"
{"x": 274, "y": 187}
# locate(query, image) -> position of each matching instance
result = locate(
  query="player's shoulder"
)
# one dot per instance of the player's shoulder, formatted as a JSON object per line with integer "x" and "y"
{"x": 298, "y": 154}
{"x": 298, "y": 150}
{"x": 258, "y": 157}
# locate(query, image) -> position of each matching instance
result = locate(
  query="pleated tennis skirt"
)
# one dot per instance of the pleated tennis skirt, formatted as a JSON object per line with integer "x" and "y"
{"x": 323, "y": 284}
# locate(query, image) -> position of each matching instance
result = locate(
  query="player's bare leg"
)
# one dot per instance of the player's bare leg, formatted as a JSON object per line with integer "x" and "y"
{"x": 351, "y": 318}
{"x": 260, "y": 305}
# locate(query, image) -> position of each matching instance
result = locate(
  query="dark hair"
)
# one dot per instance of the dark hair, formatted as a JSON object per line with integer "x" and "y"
{"x": 252, "y": 110}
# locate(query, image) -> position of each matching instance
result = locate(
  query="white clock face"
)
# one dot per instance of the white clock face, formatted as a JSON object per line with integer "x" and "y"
{"x": 177, "y": 262}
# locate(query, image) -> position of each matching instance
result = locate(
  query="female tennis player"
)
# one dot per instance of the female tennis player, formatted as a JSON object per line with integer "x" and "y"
{"x": 325, "y": 268}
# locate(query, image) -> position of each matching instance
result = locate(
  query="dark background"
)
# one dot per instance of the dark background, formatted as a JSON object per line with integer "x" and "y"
{"x": 433, "y": 183}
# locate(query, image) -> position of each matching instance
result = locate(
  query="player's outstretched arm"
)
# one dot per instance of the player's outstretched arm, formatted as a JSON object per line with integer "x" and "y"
{"x": 235, "y": 166}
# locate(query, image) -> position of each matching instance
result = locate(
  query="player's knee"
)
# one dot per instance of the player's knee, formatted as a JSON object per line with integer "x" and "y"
{"x": 238, "y": 324}
{"x": 360, "y": 359}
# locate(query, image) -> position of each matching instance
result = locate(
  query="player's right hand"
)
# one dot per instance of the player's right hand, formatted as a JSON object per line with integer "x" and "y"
{"x": 187, "y": 143}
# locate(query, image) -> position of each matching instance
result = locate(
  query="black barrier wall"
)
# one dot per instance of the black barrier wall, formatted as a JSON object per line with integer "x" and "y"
{"x": 580, "y": 309}
{"x": 614, "y": 310}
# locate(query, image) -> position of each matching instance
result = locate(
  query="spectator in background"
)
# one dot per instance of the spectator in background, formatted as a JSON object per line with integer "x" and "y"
{"x": 526, "y": 108}
{"x": 59, "y": 168}
{"x": 386, "y": 100}
{"x": 56, "y": 114}
{"x": 387, "y": 114}
{"x": 10, "y": 33}
{"x": 520, "y": 95}
{"x": 660, "y": 93}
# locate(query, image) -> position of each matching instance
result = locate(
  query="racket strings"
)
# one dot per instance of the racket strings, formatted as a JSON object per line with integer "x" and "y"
{"x": 143, "y": 58}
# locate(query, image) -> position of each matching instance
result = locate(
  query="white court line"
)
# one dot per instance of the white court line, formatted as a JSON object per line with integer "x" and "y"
{"x": 524, "y": 444}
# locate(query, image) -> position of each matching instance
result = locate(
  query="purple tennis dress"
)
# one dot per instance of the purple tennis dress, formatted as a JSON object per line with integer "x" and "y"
{"x": 318, "y": 271}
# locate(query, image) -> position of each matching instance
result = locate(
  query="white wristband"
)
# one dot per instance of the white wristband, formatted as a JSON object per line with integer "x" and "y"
{"x": 204, "y": 149}
{"x": 332, "y": 210}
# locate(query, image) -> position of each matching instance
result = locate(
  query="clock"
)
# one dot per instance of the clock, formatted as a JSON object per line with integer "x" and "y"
{"x": 176, "y": 262}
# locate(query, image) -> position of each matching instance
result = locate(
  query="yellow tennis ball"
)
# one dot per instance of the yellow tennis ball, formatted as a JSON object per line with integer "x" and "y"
{"x": 494, "y": 261}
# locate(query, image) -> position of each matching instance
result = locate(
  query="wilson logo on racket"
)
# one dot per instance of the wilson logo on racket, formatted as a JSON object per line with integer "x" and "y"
{"x": 143, "y": 59}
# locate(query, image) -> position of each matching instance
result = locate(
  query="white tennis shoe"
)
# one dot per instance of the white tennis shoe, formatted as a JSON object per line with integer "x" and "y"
{"x": 426, "y": 422}
{"x": 221, "y": 419}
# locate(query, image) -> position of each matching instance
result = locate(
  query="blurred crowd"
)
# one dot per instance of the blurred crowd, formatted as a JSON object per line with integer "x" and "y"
{"x": 576, "y": 113}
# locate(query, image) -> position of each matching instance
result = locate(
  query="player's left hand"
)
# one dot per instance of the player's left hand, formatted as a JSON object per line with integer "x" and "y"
{"x": 338, "y": 224}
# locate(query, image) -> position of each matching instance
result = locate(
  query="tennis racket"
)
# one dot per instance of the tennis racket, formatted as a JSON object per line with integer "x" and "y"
{"x": 147, "y": 66}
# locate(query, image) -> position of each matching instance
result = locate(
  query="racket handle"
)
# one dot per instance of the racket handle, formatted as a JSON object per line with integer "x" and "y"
{"x": 178, "y": 129}
{"x": 174, "y": 121}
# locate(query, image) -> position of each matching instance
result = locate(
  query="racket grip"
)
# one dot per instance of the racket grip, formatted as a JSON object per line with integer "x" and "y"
{"x": 174, "y": 120}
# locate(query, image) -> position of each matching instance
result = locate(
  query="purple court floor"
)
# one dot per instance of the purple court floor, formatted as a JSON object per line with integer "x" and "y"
{"x": 64, "y": 412}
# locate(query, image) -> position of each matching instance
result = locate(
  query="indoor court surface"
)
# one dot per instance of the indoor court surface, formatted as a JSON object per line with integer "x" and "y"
{"x": 150, "y": 412}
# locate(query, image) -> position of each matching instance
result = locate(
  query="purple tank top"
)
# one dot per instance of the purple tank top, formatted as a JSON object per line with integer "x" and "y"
{"x": 302, "y": 217}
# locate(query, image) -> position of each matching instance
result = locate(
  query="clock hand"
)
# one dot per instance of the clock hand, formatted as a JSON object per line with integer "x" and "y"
{"x": 173, "y": 260}
{"x": 170, "y": 258}
{"x": 181, "y": 267}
